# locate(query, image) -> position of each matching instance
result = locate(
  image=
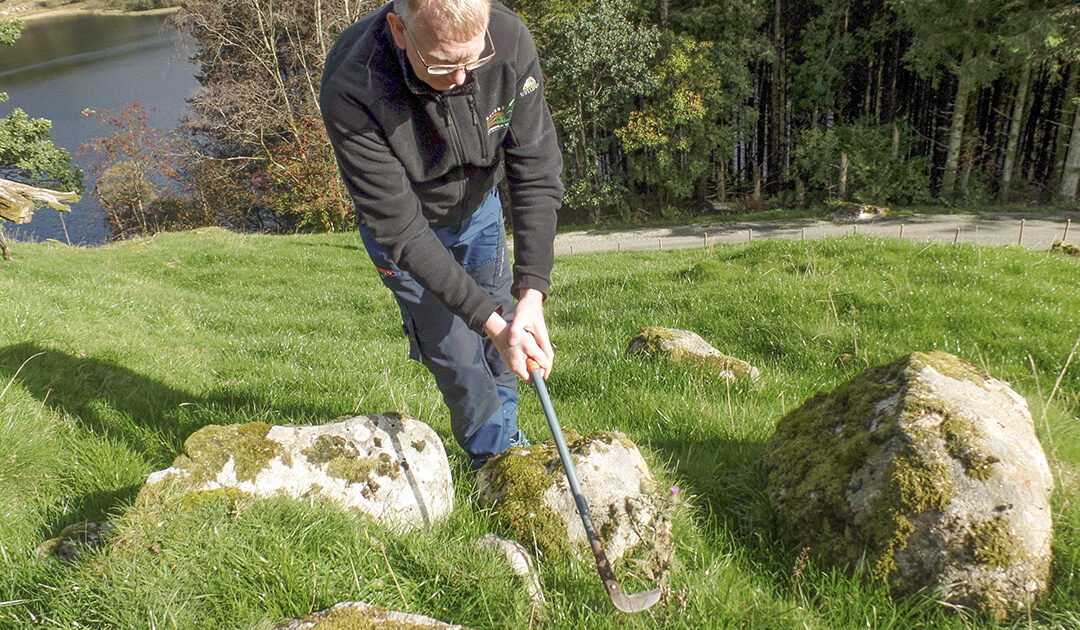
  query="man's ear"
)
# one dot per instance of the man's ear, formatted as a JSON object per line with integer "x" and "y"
{"x": 397, "y": 29}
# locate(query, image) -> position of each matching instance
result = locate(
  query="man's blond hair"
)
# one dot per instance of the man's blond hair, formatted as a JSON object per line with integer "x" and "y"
{"x": 463, "y": 17}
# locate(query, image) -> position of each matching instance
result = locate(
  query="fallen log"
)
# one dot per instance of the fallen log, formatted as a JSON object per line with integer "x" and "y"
{"x": 17, "y": 201}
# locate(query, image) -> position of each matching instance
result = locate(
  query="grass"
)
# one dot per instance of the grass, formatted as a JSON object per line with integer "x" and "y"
{"x": 110, "y": 357}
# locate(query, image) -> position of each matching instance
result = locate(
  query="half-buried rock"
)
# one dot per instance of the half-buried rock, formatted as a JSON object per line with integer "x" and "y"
{"x": 928, "y": 470}
{"x": 529, "y": 492}
{"x": 687, "y": 347}
{"x": 392, "y": 468}
{"x": 363, "y": 616}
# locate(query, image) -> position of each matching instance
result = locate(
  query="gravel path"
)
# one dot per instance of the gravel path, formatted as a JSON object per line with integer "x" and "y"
{"x": 1032, "y": 231}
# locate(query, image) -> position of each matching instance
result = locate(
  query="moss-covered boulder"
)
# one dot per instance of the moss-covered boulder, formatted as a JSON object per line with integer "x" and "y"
{"x": 74, "y": 540}
{"x": 684, "y": 346}
{"x": 530, "y": 495}
{"x": 848, "y": 212}
{"x": 361, "y": 616}
{"x": 390, "y": 467}
{"x": 929, "y": 471}
{"x": 1065, "y": 248}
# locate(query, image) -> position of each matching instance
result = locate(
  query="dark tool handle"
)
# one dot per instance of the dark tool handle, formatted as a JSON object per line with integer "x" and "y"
{"x": 560, "y": 444}
{"x": 625, "y": 603}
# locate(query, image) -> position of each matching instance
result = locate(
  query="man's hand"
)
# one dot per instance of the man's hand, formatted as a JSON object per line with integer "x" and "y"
{"x": 525, "y": 336}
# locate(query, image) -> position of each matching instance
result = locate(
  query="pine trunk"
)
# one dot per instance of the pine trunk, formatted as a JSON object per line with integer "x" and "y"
{"x": 843, "y": 176}
{"x": 1071, "y": 176}
{"x": 1015, "y": 122}
{"x": 956, "y": 133}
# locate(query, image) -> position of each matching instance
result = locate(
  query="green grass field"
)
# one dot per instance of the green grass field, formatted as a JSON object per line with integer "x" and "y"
{"x": 110, "y": 357}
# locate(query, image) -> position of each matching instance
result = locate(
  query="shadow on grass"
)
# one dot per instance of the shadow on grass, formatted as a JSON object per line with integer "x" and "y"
{"x": 147, "y": 416}
{"x": 105, "y": 397}
{"x": 728, "y": 488}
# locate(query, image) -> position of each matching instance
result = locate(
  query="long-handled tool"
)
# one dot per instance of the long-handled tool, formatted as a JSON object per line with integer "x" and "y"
{"x": 626, "y": 603}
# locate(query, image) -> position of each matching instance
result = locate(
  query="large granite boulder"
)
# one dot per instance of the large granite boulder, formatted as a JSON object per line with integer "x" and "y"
{"x": 928, "y": 470}
{"x": 390, "y": 467}
{"x": 685, "y": 346}
{"x": 362, "y": 616}
{"x": 529, "y": 492}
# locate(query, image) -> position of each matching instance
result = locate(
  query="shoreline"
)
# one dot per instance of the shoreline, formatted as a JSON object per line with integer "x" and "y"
{"x": 34, "y": 12}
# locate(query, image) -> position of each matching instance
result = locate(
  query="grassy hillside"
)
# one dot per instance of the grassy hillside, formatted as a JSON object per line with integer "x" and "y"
{"x": 111, "y": 357}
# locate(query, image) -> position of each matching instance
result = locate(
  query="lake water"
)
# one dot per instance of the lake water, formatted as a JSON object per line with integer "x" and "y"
{"x": 63, "y": 65}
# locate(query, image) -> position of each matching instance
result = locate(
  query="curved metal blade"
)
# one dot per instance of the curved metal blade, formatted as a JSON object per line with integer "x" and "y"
{"x": 636, "y": 602}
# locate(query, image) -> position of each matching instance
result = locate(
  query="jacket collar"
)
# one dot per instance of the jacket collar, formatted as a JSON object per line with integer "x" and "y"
{"x": 418, "y": 87}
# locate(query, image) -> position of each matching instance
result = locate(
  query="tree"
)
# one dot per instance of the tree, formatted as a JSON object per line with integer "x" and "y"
{"x": 260, "y": 66}
{"x": 969, "y": 40}
{"x": 27, "y": 156}
{"x": 1065, "y": 40}
{"x": 135, "y": 169}
{"x": 677, "y": 135}
{"x": 598, "y": 67}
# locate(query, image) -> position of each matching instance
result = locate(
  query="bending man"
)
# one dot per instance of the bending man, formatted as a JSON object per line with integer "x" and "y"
{"x": 429, "y": 104}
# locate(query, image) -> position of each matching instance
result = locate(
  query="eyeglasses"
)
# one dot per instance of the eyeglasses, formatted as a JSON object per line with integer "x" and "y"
{"x": 441, "y": 69}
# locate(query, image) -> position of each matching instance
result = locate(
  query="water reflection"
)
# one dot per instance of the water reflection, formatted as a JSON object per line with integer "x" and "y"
{"x": 65, "y": 64}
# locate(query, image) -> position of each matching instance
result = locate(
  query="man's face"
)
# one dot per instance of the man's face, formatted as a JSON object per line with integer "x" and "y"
{"x": 429, "y": 45}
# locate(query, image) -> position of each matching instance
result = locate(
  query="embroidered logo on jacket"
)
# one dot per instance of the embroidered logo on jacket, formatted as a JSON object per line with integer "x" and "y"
{"x": 529, "y": 87}
{"x": 500, "y": 117}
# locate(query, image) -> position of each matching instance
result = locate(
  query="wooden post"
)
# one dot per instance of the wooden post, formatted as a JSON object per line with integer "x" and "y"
{"x": 1020, "y": 238}
{"x": 705, "y": 237}
{"x": 1065, "y": 236}
{"x": 749, "y": 235}
{"x": 901, "y": 230}
{"x": 956, "y": 239}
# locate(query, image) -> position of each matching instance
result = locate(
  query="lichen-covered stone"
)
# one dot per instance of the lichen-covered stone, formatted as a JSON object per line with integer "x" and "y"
{"x": 73, "y": 540}
{"x": 1066, "y": 248}
{"x": 684, "y": 346}
{"x": 928, "y": 470}
{"x": 390, "y": 467}
{"x": 521, "y": 564}
{"x": 847, "y": 211}
{"x": 362, "y": 616}
{"x": 529, "y": 492}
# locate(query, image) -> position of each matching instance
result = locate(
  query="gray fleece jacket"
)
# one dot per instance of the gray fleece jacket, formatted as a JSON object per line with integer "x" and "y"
{"x": 412, "y": 157}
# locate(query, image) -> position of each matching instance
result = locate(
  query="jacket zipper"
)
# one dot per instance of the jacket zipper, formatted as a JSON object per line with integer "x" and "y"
{"x": 479, "y": 128}
{"x": 456, "y": 141}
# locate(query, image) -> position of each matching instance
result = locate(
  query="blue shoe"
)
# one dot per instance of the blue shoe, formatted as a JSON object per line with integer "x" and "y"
{"x": 519, "y": 440}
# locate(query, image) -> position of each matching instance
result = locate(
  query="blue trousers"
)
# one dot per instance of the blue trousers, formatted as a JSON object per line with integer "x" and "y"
{"x": 476, "y": 385}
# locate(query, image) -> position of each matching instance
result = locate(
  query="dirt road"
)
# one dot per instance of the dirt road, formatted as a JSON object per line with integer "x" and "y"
{"x": 1035, "y": 232}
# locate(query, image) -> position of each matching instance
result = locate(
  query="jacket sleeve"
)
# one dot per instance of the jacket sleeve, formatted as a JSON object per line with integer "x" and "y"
{"x": 533, "y": 166}
{"x": 383, "y": 197}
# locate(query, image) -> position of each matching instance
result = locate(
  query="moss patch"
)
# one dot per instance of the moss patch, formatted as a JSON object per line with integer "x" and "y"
{"x": 949, "y": 365}
{"x": 962, "y": 440}
{"x": 343, "y": 460}
{"x": 817, "y": 448}
{"x": 211, "y": 447}
{"x": 522, "y": 476}
{"x": 994, "y": 543}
